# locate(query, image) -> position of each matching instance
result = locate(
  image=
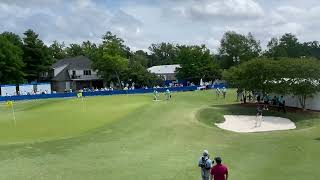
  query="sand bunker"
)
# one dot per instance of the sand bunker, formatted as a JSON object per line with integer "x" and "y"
{"x": 247, "y": 124}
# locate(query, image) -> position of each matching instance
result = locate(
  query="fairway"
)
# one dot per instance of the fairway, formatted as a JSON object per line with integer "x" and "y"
{"x": 132, "y": 137}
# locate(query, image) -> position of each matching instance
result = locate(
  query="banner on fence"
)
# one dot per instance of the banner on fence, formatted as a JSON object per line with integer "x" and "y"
{"x": 8, "y": 90}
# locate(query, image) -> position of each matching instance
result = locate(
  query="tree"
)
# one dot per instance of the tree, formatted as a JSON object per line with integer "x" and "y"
{"x": 163, "y": 54}
{"x": 58, "y": 50}
{"x": 287, "y": 46}
{"x": 11, "y": 63}
{"x": 90, "y": 50}
{"x": 141, "y": 57}
{"x": 112, "y": 61}
{"x": 13, "y": 38}
{"x": 138, "y": 74}
{"x": 299, "y": 77}
{"x": 288, "y": 76}
{"x": 36, "y": 56}
{"x": 252, "y": 75}
{"x": 196, "y": 63}
{"x": 74, "y": 50}
{"x": 311, "y": 49}
{"x": 237, "y": 46}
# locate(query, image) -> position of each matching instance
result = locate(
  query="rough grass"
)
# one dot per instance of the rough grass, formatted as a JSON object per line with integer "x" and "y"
{"x": 131, "y": 137}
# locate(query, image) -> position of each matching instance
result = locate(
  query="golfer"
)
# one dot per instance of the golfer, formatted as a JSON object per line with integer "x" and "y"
{"x": 224, "y": 92}
{"x": 218, "y": 92}
{"x": 205, "y": 164}
{"x": 168, "y": 94}
{"x": 259, "y": 117}
{"x": 155, "y": 95}
{"x": 219, "y": 171}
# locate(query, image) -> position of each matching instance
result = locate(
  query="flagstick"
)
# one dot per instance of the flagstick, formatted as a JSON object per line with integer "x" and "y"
{"x": 14, "y": 116}
{"x": 83, "y": 105}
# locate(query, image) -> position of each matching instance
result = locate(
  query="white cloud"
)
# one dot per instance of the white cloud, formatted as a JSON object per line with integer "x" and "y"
{"x": 238, "y": 9}
{"x": 146, "y": 22}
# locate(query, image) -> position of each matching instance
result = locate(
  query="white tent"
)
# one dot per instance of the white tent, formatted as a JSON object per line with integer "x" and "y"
{"x": 8, "y": 90}
{"x": 44, "y": 88}
{"x": 26, "y": 89}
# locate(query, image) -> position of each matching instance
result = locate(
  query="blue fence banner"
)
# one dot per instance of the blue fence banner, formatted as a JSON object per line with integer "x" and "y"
{"x": 95, "y": 93}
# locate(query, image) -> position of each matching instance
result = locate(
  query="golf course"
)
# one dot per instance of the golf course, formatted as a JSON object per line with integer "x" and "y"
{"x": 132, "y": 137}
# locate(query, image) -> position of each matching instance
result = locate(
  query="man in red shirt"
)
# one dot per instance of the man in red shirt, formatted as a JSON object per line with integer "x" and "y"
{"x": 219, "y": 171}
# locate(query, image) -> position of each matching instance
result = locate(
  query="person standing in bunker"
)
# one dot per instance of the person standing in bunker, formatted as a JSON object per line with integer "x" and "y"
{"x": 259, "y": 117}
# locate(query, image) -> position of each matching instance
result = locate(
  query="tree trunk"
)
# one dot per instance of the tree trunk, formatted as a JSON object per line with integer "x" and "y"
{"x": 118, "y": 79}
{"x": 302, "y": 100}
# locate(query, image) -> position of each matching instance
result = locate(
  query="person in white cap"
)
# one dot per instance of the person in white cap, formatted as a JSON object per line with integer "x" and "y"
{"x": 205, "y": 164}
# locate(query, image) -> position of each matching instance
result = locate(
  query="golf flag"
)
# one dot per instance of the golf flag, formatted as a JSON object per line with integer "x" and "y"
{"x": 10, "y": 104}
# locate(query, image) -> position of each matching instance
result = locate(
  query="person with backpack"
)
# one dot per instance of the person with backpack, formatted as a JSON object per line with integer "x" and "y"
{"x": 205, "y": 163}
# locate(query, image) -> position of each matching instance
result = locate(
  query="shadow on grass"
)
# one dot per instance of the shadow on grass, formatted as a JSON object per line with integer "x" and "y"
{"x": 215, "y": 113}
{"x": 60, "y": 146}
{"x": 317, "y": 139}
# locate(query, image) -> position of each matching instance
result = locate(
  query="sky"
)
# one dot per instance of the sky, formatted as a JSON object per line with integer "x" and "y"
{"x": 143, "y": 22}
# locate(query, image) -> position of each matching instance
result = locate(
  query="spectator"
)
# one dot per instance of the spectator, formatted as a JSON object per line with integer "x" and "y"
{"x": 266, "y": 100}
{"x": 224, "y": 92}
{"x": 258, "y": 98}
{"x": 275, "y": 101}
{"x": 205, "y": 164}
{"x": 219, "y": 171}
{"x": 282, "y": 104}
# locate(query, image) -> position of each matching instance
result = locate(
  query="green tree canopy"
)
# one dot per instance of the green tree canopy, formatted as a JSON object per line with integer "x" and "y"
{"x": 287, "y": 45}
{"x": 13, "y": 38}
{"x": 74, "y": 50}
{"x": 113, "y": 58}
{"x": 138, "y": 74}
{"x": 58, "y": 50}
{"x": 141, "y": 57}
{"x": 36, "y": 56}
{"x": 163, "y": 54}
{"x": 238, "y": 46}
{"x": 90, "y": 50}
{"x": 11, "y": 64}
{"x": 196, "y": 63}
{"x": 298, "y": 77}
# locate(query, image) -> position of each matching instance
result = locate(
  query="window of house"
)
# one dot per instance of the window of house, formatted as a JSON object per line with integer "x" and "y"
{"x": 73, "y": 73}
{"x": 87, "y": 72}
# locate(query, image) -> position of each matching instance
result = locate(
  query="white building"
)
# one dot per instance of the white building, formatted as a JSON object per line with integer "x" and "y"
{"x": 167, "y": 72}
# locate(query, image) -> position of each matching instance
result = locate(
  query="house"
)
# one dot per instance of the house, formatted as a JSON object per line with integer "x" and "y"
{"x": 74, "y": 74}
{"x": 167, "y": 72}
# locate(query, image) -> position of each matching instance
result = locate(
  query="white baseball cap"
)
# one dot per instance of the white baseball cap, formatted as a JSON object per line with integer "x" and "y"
{"x": 205, "y": 152}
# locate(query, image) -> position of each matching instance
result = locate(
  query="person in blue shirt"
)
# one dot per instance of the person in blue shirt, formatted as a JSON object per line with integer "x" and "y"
{"x": 205, "y": 163}
{"x": 282, "y": 104}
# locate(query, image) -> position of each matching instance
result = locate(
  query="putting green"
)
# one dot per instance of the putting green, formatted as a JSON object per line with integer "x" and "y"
{"x": 132, "y": 137}
{"x": 44, "y": 120}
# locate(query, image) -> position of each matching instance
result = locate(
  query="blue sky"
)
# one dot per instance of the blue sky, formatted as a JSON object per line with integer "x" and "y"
{"x": 142, "y": 22}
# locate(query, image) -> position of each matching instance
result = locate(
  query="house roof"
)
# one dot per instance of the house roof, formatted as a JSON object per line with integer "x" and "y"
{"x": 164, "y": 69}
{"x": 62, "y": 76}
{"x": 74, "y": 63}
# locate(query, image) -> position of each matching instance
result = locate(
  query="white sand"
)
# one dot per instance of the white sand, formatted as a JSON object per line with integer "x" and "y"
{"x": 247, "y": 124}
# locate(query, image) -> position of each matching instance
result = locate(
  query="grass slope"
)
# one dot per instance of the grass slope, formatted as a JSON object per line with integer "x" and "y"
{"x": 131, "y": 137}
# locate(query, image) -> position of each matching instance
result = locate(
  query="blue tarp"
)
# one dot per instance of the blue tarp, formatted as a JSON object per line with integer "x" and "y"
{"x": 96, "y": 93}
